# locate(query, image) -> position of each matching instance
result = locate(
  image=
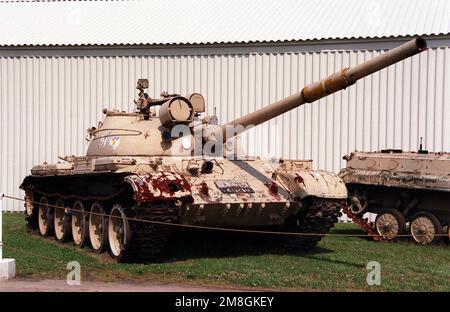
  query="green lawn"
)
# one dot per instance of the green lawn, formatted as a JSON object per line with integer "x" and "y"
{"x": 338, "y": 263}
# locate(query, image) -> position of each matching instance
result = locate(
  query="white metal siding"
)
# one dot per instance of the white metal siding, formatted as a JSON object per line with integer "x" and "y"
{"x": 212, "y": 21}
{"x": 47, "y": 102}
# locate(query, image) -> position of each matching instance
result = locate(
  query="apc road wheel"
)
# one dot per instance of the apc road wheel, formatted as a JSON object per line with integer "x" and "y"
{"x": 424, "y": 228}
{"x": 61, "y": 222}
{"x": 79, "y": 224}
{"x": 119, "y": 233}
{"x": 44, "y": 217}
{"x": 98, "y": 227}
{"x": 390, "y": 223}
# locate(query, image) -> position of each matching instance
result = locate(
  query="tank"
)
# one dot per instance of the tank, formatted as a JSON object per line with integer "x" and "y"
{"x": 165, "y": 164}
{"x": 401, "y": 188}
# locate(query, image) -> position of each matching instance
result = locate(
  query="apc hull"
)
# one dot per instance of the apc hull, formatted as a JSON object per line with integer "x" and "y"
{"x": 408, "y": 191}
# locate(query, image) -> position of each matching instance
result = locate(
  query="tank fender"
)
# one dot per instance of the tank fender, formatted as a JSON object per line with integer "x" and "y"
{"x": 314, "y": 183}
{"x": 159, "y": 186}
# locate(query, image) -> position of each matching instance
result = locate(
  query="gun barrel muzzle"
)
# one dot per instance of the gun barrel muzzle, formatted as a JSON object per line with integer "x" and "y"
{"x": 349, "y": 76}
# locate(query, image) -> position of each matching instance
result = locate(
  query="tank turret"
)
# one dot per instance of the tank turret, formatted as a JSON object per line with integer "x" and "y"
{"x": 178, "y": 130}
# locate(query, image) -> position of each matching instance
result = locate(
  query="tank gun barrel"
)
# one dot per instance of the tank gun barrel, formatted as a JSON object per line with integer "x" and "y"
{"x": 317, "y": 90}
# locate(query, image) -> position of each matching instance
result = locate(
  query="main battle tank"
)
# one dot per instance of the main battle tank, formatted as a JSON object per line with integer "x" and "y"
{"x": 401, "y": 187}
{"x": 163, "y": 164}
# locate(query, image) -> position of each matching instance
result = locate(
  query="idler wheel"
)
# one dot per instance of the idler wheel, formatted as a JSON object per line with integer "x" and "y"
{"x": 98, "y": 227}
{"x": 424, "y": 228}
{"x": 357, "y": 200}
{"x": 32, "y": 211}
{"x": 44, "y": 217}
{"x": 390, "y": 223}
{"x": 119, "y": 233}
{"x": 79, "y": 224}
{"x": 61, "y": 222}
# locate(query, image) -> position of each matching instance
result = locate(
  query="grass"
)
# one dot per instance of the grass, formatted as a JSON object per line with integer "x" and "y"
{"x": 338, "y": 263}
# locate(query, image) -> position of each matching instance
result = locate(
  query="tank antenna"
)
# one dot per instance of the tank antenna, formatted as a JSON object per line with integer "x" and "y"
{"x": 421, "y": 150}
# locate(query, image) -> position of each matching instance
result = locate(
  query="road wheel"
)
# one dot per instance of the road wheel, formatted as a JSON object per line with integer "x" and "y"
{"x": 98, "y": 227}
{"x": 61, "y": 222}
{"x": 44, "y": 217}
{"x": 424, "y": 228}
{"x": 119, "y": 233}
{"x": 79, "y": 224}
{"x": 390, "y": 223}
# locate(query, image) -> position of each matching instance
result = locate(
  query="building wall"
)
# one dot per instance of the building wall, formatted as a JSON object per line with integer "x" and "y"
{"x": 48, "y": 98}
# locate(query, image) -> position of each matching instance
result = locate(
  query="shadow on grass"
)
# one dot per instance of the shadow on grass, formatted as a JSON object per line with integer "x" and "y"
{"x": 334, "y": 261}
{"x": 347, "y": 230}
{"x": 193, "y": 244}
{"x": 352, "y": 230}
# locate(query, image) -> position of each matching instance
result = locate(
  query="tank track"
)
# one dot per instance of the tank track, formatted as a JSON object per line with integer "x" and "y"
{"x": 148, "y": 241}
{"x": 319, "y": 217}
{"x": 364, "y": 224}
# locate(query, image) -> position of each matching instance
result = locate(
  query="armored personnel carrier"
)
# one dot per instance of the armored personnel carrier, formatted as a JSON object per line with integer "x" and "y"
{"x": 400, "y": 187}
{"x": 163, "y": 164}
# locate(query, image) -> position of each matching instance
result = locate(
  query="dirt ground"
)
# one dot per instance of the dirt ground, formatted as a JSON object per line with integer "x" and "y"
{"x": 30, "y": 285}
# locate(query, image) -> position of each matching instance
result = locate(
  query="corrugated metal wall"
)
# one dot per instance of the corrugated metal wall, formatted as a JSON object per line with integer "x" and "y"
{"x": 47, "y": 102}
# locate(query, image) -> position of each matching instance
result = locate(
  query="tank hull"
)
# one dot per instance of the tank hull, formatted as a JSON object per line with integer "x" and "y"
{"x": 244, "y": 184}
{"x": 251, "y": 193}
